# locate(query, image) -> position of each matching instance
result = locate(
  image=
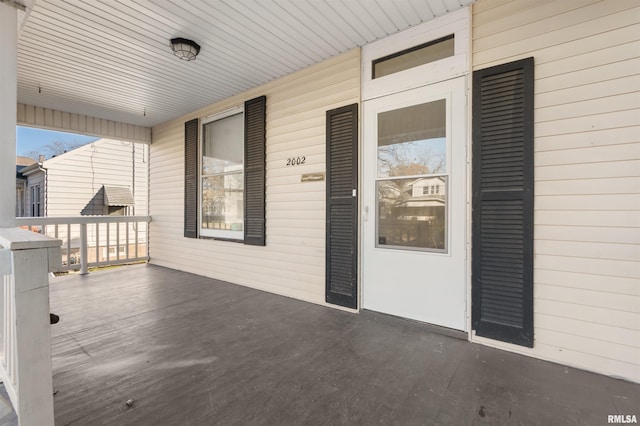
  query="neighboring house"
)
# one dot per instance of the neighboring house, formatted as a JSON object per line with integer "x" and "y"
{"x": 105, "y": 177}
{"x": 412, "y": 213}
{"x": 21, "y": 185}
{"x": 33, "y": 196}
{"x": 521, "y": 115}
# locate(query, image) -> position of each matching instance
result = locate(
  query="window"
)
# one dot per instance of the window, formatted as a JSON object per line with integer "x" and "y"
{"x": 412, "y": 162}
{"x": 121, "y": 250}
{"x": 112, "y": 253}
{"x": 116, "y": 200}
{"x": 415, "y": 56}
{"x": 222, "y": 176}
{"x": 225, "y": 175}
{"x": 117, "y": 210}
{"x": 427, "y": 53}
{"x": 36, "y": 210}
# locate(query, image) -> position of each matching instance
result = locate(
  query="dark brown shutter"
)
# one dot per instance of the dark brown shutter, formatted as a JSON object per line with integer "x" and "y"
{"x": 502, "y": 266}
{"x": 342, "y": 206}
{"x": 191, "y": 178}
{"x": 254, "y": 170}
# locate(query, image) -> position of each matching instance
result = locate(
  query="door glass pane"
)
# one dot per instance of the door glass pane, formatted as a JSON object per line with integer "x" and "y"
{"x": 412, "y": 140}
{"x": 412, "y": 212}
{"x": 412, "y": 177}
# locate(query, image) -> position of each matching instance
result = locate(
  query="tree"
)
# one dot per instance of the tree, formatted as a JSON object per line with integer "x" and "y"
{"x": 54, "y": 149}
{"x": 33, "y": 154}
{"x": 411, "y": 158}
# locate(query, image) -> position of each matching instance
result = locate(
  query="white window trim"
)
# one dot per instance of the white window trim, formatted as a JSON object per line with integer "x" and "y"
{"x": 216, "y": 233}
{"x": 220, "y": 115}
{"x": 456, "y": 23}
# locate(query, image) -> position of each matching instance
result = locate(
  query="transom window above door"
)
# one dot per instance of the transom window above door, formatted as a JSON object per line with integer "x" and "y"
{"x": 425, "y": 54}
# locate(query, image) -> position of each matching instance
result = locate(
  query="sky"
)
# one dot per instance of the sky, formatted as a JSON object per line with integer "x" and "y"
{"x": 30, "y": 139}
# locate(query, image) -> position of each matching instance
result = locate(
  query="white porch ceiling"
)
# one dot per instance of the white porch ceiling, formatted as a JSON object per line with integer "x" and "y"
{"x": 111, "y": 59}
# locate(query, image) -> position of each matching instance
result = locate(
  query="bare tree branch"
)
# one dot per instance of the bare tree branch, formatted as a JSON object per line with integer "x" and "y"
{"x": 53, "y": 149}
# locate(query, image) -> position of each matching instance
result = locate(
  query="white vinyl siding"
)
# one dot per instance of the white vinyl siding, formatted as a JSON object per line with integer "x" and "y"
{"x": 75, "y": 177}
{"x": 587, "y": 172}
{"x": 293, "y": 261}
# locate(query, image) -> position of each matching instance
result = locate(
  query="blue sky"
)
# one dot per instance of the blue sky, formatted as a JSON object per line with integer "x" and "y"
{"x": 30, "y": 139}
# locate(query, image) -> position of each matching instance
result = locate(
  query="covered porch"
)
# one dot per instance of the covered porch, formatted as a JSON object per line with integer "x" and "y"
{"x": 191, "y": 350}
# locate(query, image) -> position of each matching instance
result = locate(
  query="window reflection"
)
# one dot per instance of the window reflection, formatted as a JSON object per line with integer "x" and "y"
{"x": 412, "y": 140}
{"x": 412, "y": 212}
{"x": 223, "y": 202}
{"x": 412, "y": 180}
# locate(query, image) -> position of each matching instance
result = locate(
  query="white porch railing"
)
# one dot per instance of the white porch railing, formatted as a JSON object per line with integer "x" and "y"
{"x": 94, "y": 240}
{"x": 26, "y": 259}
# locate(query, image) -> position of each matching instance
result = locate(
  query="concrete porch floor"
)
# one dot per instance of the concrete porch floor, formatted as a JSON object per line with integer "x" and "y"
{"x": 189, "y": 350}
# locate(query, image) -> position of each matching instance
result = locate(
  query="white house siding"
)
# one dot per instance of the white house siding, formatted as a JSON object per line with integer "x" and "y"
{"x": 587, "y": 172}
{"x": 75, "y": 177}
{"x": 293, "y": 261}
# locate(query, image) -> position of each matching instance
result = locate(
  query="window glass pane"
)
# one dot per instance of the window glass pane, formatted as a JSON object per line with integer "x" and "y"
{"x": 222, "y": 180}
{"x": 223, "y": 145}
{"x": 413, "y": 57}
{"x": 412, "y": 212}
{"x": 223, "y": 202}
{"x": 412, "y": 140}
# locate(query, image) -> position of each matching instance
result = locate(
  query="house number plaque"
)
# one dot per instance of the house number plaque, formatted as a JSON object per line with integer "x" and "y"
{"x": 296, "y": 161}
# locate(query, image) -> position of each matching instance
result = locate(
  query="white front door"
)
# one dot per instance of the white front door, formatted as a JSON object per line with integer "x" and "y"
{"x": 414, "y": 204}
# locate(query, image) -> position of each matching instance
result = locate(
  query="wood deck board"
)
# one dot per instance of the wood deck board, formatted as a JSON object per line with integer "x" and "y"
{"x": 195, "y": 351}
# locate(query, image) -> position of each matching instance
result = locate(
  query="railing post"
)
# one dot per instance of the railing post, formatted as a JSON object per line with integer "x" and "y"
{"x": 84, "y": 250}
{"x": 25, "y": 364}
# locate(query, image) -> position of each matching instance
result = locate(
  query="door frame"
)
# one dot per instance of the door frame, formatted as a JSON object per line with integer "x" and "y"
{"x": 454, "y": 91}
{"x": 458, "y": 23}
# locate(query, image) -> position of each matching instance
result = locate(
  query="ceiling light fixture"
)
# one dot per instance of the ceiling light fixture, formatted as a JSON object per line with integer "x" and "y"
{"x": 185, "y": 49}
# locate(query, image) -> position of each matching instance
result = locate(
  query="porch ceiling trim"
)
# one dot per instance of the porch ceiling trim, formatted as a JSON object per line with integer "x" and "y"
{"x": 51, "y": 119}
